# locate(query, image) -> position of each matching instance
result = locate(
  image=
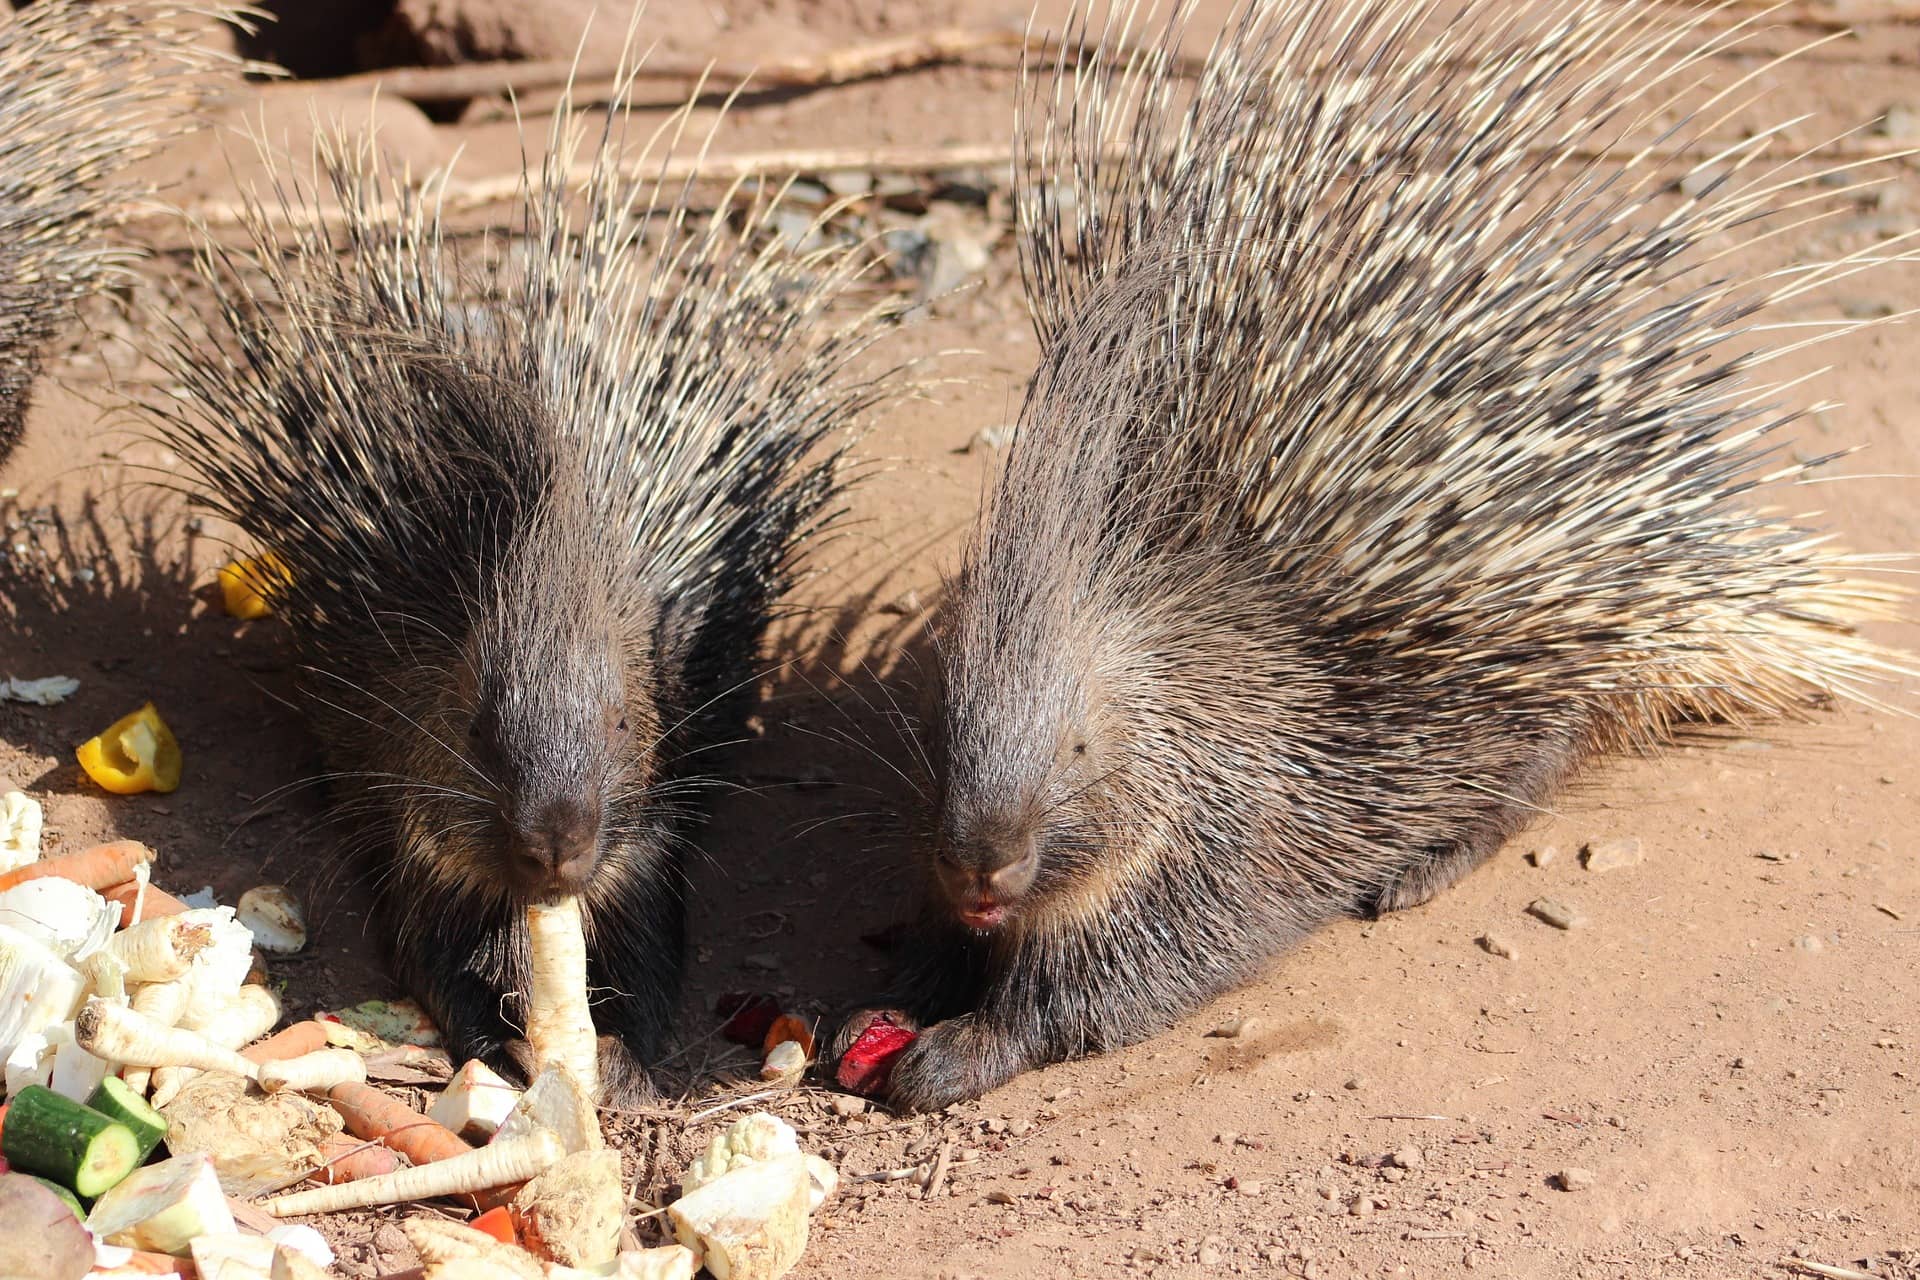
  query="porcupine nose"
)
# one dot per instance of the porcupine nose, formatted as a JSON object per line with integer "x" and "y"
{"x": 557, "y": 849}
{"x": 993, "y": 876}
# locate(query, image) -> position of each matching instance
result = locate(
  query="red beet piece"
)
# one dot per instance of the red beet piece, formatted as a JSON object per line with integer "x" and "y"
{"x": 748, "y": 1016}
{"x": 865, "y": 1066}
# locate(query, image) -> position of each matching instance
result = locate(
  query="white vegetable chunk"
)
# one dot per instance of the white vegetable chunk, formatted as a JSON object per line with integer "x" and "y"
{"x": 273, "y": 915}
{"x": 69, "y": 919}
{"x": 749, "y": 1223}
{"x": 37, "y": 988}
{"x": 559, "y": 1026}
{"x": 20, "y": 824}
{"x": 163, "y": 1207}
{"x": 31, "y": 1062}
{"x": 475, "y": 1103}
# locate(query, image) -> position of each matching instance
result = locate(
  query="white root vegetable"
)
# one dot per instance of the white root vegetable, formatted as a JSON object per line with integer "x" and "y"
{"x": 164, "y": 1002}
{"x": 243, "y": 1017}
{"x": 559, "y": 1026}
{"x": 553, "y": 1102}
{"x": 160, "y": 949}
{"x": 498, "y": 1164}
{"x": 749, "y": 1223}
{"x": 760, "y": 1136}
{"x": 572, "y": 1213}
{"x": 321, "y": 1069}
{"x": 106, "y": 976}
{"x": 670, "y": 1262}
{"x": 475, "y": 1103}
{"x": 454, "y": 1249}
{"x": 163, "y": 1206}
{"x": 220, "y": 969}
{"x": 122, "y": 1035}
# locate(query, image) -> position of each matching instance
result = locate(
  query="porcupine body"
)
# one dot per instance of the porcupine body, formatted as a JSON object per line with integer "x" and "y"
{"x": 527, "y": 551}
{"x": 1388, "y": 459}
{"x": 86, "y": 90}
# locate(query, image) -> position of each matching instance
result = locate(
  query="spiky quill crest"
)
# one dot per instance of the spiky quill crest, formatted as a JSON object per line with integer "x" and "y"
{"x": 86, "y": 91}
{"x": 618, "y": 456}
{"x": 1391, "y": 454}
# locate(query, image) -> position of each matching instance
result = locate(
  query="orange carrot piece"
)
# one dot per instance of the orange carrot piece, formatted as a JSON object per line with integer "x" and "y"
{"x": 288, "y": 1042}
{"x": 788, "y": 1027}
{"x": 349, "y": 1160}
{"x": 372, "y": 1115}
{"x": 498, "y": 1223}
{"x": 158, "y": 902}
{"x": 100, "y": 867}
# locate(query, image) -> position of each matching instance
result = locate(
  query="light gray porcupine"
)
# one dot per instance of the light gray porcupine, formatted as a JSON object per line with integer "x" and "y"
{"x": 1390, "y": 457}
{"x": 86, "y": 91}
{"x": 527, "y": 550}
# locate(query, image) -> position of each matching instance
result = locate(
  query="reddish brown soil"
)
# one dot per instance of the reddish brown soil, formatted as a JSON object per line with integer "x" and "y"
{"x": 1730, "y": 1044}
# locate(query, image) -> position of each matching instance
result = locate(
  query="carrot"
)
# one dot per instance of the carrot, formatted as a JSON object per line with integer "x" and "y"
{"x": 158, "y": 902}
{"x": 788, "y": 1027}
{"x": 288, "y": 1042}
{"x": 372, "y": 1115}
{"x": 494, "y": 1165}
{"x": 559, "y": 1026}
{"x": 100, "y": 867}
{"x": 498, "y": 1223}
{"x": 348, "y": 1160}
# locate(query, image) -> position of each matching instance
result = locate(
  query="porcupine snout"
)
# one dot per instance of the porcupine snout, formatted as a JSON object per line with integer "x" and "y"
{"x": 555, "y": 844}
{"x": 987, "y": 871}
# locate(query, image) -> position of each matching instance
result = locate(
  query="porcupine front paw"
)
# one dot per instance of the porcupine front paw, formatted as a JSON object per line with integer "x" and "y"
{"x": 839, "y": 1038}
{"x": 953, "y": 1061}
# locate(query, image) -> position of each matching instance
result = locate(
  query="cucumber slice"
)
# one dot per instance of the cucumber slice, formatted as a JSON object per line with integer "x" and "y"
{"x": 116, "y": 1100}
{"x": 72, "y": 1144}
{"x": 67, "y": 1197}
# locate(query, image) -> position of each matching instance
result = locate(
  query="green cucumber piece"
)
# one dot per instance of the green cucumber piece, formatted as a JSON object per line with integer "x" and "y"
{"x": 67, "y": 1197}
{"x": 115, "y": 1100}
{"x": 67, "y": 1141}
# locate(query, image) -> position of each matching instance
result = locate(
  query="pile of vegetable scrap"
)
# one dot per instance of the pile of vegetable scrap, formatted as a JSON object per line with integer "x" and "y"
{"x": 132, "y": 1023}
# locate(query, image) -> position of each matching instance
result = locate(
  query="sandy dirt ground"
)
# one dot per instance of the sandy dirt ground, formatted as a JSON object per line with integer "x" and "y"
{"x": 1725, "y": 1051}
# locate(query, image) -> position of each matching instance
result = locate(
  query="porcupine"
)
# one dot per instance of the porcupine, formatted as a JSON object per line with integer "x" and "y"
{"x": 86, "y": 91}
{"x": 1388, "y": 459}
{"x": 526, "y": 551}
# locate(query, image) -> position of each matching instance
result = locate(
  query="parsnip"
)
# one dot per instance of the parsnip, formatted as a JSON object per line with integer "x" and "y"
{"x": 160, "y": 949}
{"x": 498, "y": 1164}
{"x": 559, "y": 1025}
{"x": 321, "y": 1069}
{"x": 122, "y": 1035}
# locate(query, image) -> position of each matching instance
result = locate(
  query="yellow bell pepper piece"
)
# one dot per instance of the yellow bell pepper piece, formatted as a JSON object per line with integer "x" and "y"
{"x": 240, "y": 584}
{"x": 138, "y": 753}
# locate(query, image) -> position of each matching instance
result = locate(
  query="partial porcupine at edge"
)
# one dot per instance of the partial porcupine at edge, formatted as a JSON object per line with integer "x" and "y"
{"x": 86, "y": 91}
{"x": 1389, "y": 458}
{"x": 527, "y": 550}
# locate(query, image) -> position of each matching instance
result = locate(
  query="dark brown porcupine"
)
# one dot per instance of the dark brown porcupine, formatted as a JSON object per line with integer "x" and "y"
{"x": 86, "y": 91}
{"x": 1389, "y": 458}
{"x": 527, "y": 548}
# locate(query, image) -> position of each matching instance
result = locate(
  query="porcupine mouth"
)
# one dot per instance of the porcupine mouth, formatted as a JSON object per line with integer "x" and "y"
{"x": 983, "y": 916}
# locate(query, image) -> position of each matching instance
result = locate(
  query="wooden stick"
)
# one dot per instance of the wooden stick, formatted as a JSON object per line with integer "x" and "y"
{"x": 1831, "y": 1273}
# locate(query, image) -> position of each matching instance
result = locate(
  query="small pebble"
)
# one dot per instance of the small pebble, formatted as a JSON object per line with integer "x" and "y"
{"x": 845, "y": 1105}
{"x": 1557, "y": 914}
{"x": 1495, "y": 945}
{"x": 1357, "y": 1083}
{"x": 1409, "y": 1157}
{"x": 1809, "y": 942}
{"x": 1210, "y": 1255}
{"x": 1543, "y": 855}
{"x": 388, "y": 1238}
{"x": 1573, "y": 1179}
{"x": 1611, "y": 855}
